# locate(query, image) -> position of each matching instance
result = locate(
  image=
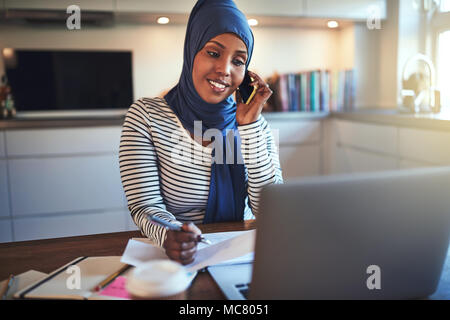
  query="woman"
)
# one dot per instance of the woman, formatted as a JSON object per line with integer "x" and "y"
{"x": 169, "y": 172}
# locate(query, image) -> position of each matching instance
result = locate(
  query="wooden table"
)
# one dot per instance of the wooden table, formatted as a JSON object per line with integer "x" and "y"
{"x": 50, "y": 254}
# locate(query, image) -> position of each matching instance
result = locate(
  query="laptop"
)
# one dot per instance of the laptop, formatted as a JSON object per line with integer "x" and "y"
{"x": 380, "y": 235}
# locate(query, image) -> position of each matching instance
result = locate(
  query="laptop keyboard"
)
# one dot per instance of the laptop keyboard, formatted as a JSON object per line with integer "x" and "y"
{"x": 243, "y": 289}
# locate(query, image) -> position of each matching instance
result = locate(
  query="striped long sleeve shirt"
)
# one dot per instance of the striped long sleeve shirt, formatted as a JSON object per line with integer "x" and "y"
{"x": 165, "y": 172}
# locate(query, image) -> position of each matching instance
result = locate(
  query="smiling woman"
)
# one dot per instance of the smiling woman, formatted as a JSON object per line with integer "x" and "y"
{"x": 166, "y": 171}
{"x": 219, "y": 68}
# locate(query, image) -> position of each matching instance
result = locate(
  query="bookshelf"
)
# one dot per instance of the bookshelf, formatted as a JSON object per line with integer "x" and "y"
{"x": 315, "y": 91}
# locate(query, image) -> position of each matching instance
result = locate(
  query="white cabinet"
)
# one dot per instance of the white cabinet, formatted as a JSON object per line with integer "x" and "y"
{"x": 4, "y": 194}
{"x": 65, "y": 184}
{"x": 300, "y": 161}
{"x": 296, "y": 132}
{"x": 61, "y": 182}
{"x": 349, "y": 160}
{"x": 345, "y": 9}
{"x": 365, "y": 136}
{"x": 410, "y": 164}
{"x": 271, "y": 7}
{"x": 5, "y": 230}
{"x": 50, "y": 142}
{"x": 5, "y": 213}
{"x": 357, "y": 146}
{"x": 155, "y": 6}
{"x": 249, "y": 7}
{"x": 426, "y": 146}
{"x": 69, "y": 225}
{"x": 2, "y": 145}
{"x": 299, "y": 146}
{"x": 94, "y": 5}
{"x": 362, "y": 147}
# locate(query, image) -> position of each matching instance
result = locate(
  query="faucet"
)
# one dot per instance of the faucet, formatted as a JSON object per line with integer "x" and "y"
{"x": 418, "y": 97}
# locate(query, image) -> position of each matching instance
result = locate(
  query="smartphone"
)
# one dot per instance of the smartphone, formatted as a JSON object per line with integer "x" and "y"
{"x": 246, "y": 90}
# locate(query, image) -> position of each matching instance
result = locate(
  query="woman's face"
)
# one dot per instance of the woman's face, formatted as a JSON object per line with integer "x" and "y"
{"x": 219, "y": 67}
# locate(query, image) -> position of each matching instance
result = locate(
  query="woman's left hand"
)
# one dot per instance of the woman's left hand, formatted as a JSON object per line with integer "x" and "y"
{"x": 248, "y": 113}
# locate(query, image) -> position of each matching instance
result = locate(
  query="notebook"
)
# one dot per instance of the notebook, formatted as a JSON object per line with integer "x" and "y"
{"x": 75, "y": 280}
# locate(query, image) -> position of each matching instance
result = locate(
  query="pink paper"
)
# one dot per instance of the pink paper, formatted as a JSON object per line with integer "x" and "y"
{"x": 116, "y": 289}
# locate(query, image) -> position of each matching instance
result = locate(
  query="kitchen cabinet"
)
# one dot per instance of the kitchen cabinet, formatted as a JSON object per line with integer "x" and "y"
{"x": 4, "y": 194}
{"x": 272, "y": 8}
{"x": 66, "y": 181}
{"x": 53, "y": 142}
{"x": 368, "y": 137}
{"x": 358, "y": 10}
{"x": 91, "y": 5}
{"x": 249, "y": 7}
{"x": 80, "y": 223}
{"x": 155, "y": 6}
{"x": 2, "y": 145}
{"x": 5, "y": 230}
{"x": 424, "y": 146}
{"x": 59, "y": 185}
{"x": 359, "y": 147}
{"x": 62, "y": 182}
{"x": 350, "y": 160}
{"x": 300, "y": 161}
{"x": 299, "y": 146}
{"x": 345, "y": 9}
{"x": 410, "y": 164}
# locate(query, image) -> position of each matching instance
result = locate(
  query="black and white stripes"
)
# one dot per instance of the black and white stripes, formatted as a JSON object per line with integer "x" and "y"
{"x": 166, "y": 173}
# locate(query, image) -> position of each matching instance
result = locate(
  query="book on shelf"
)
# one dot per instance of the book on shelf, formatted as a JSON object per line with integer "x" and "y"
{"x": 312, "y": 91}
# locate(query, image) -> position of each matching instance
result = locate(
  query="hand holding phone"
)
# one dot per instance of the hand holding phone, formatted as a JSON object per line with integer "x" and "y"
{"x": 251, "y": 97}
{"x": 247, "y": 90}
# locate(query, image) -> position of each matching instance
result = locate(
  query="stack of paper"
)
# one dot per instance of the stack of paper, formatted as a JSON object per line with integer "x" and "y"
{"x": 226, "y": 247}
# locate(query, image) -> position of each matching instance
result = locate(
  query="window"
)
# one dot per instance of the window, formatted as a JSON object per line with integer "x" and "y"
{"x": 445, "y": 6}
{"x": 440, "y": 23}
{"x": 443, "y": 68}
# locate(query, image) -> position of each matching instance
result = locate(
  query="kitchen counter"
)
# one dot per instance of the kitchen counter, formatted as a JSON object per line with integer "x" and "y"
{"x": 393, "y": 117}
{"x": 36, "y": 122}
{"x": 430, "y": 121}
{"x": 59, "y": 122}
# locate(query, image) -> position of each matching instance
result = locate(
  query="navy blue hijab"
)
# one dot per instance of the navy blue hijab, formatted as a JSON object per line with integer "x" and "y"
{"x": 228, "y": 190}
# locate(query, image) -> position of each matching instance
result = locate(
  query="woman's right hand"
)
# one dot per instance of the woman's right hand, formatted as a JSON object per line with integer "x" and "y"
{"x": 181, "y": 246}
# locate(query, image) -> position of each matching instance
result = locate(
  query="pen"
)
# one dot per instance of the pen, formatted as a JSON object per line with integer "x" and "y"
{"x": 6, "y": 287}
{"x": 111, "y": 277}
{"x": 173, "y": 226}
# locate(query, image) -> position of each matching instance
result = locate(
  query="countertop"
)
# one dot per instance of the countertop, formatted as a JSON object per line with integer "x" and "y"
{"x": 431, "y": 121}
{"x": 440, "y": 122}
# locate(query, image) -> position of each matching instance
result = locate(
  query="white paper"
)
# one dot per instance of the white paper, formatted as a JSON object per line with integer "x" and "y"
{"x": 138, "y": 252}
{"x": 231, "y": 248}
{"x": 227, "y": 247}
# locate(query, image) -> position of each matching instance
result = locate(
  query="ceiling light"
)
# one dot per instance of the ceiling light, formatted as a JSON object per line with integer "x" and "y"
{"x": 252, "y": 22}
{"x": 332, "y": 24}
{"x": 163, "y": 20}
{"x": 8, "y": 53}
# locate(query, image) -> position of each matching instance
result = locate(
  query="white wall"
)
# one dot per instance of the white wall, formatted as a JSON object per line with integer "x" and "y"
{"x": 158, "y": 50}
{"x": 346, "y": 48}
{"x": 376, "y": 61}
{"x": 293, "y": 49}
